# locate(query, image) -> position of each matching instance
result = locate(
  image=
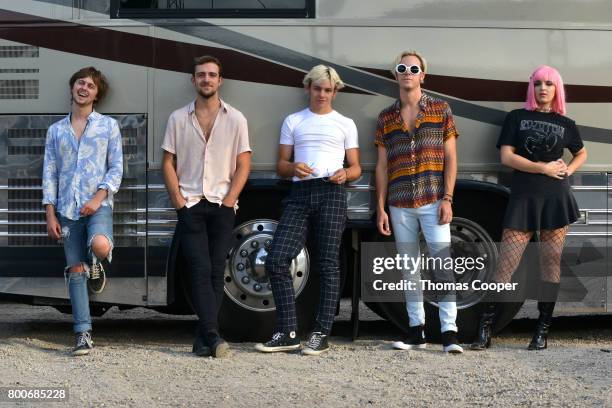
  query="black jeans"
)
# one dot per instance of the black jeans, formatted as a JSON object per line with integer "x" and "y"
{"x": 205, "y": 238}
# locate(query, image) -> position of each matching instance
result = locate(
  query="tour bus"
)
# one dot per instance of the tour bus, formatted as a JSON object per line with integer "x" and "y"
{"x": 480, "y": 54}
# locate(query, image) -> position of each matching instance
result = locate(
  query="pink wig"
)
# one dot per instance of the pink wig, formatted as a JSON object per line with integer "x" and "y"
{"x": 546, "y": 73}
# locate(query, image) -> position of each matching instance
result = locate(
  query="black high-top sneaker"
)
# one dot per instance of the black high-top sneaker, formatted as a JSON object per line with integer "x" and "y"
{"x": 317, "y": 344}
{"x": 83, "y": 344}
{"x": 414, "y": 340}
{"x": 450, "y": 344}
{"x": 280, "y": 341}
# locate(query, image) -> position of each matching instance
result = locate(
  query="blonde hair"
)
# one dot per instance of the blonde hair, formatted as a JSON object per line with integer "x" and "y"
{"x": 321, "y": 73}
{"x": 403, "y": 54}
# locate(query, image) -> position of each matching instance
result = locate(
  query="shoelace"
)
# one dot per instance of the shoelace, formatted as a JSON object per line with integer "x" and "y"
{"x": 315, "y": 340}
{"x": 83, "y": 339}
{"x": 95, "y": 270}
{"x": 277, "y": 336}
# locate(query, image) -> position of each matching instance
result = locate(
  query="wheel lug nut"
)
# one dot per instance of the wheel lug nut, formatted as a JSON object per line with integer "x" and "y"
{"x": 240, "y": 267}
{"x": 255, "y": 244}
{"x": 244, "y": 253}
{"x": 257, "y": 287}
{"x": 245, "y": 279}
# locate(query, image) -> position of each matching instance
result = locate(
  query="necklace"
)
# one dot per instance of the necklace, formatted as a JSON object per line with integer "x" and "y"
{"x": 544, "y": 110}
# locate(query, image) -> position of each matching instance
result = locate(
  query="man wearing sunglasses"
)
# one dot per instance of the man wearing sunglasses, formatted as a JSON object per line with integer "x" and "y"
{"x": 415, "y": 175}
{"x": 319, "y": 139}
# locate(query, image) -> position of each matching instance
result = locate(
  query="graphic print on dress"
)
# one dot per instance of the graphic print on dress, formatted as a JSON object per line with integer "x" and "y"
{"x": 543, "y": 138}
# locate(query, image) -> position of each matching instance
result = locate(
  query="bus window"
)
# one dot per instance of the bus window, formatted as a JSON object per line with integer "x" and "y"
{"x": 212, "y": 8}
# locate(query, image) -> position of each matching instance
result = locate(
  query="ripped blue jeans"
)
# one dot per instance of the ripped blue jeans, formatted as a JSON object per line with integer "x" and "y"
{"x": 78, "y": 236}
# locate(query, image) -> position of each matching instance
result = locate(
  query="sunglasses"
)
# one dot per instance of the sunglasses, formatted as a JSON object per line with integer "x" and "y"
{"x": 405, "y": 69}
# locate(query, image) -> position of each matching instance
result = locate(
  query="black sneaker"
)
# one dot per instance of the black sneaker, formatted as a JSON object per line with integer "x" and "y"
{"x": 280, "y": 342}
{"x": 414, "y": 340}
{"x": 83, "y": 345}
{"x": 317, "y": 344}
{"x": 450, "y": 344}
{"x": 97, "y": 278}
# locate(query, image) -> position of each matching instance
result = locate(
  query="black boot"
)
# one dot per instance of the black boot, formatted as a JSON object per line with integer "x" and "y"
{"x": 546, "y": 304}
{"x": 485, "y": 327}
{"x": 540, "y": 337}
{"x": 200, "y": 348}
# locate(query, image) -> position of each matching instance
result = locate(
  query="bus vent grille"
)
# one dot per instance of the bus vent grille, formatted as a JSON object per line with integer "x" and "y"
{"x": 19, "y": 89}
{"x": 26, "y": 133}
{"x": 26, "y": 150}
{"x": 19, "y": 51}
{"x": 26, "y": 214}
{"x": 19, "y": 71}
{"x": 32, "y": 220}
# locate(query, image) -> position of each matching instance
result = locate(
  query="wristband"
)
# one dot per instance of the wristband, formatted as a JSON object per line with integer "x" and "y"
{"x": 449, "y": 199}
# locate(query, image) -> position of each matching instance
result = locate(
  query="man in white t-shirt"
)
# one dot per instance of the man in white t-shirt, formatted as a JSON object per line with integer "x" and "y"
{"x": 318, "y": 139}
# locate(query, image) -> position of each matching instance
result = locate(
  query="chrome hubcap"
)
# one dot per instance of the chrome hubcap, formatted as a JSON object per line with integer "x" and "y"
{"x": 246, "y": 281}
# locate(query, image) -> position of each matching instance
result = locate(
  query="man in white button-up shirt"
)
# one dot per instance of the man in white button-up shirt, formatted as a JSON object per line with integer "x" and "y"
{"x": 206, "y": 164}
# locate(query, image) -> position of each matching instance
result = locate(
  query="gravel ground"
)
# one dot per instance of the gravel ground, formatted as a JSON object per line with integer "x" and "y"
{"x": 142, "y": 358}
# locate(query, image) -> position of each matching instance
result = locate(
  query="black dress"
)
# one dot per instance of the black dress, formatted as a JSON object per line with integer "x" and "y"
{"x": 538, "y": 201}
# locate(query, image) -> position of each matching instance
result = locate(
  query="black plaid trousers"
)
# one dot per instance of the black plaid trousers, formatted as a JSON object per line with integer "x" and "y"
{"x": 323, "y": 204}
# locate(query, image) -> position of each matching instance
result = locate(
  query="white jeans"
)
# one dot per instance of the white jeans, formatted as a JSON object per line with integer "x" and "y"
{"x": 405, "y": 223}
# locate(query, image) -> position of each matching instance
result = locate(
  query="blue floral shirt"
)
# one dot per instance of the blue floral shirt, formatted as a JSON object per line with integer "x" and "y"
{"x": 75, "y": 169}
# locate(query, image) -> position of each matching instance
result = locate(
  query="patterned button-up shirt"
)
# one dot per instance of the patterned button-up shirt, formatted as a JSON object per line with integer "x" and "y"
{"x": 415, "y": 159}
{"x": 75, "y": 169}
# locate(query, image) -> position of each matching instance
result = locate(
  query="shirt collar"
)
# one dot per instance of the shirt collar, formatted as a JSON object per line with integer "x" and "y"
{"x": 191, "y": 106}
{"x": 423, "y": 102}
{"x": 92, "y": 116}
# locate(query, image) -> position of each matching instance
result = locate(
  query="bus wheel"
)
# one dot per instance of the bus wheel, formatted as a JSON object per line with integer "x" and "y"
{"x": 468, "y": 239}
{"x": 248, "y": 309}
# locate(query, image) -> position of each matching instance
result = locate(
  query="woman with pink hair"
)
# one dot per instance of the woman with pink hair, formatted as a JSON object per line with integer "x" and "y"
{"x": 532, "y": 142}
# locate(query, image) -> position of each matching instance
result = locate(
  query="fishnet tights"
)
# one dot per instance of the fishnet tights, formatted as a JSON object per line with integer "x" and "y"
{"x": 513, "y": 245}
{"x": 551, "y": 248}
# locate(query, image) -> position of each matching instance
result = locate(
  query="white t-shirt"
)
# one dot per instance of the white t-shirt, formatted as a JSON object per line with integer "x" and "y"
{"x": 319, "y": 141}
